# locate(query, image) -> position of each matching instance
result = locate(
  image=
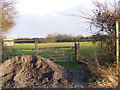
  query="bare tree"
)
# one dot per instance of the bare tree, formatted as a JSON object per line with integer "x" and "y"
{"x": 8, "y": 12}
{"x": 104, "y": 17}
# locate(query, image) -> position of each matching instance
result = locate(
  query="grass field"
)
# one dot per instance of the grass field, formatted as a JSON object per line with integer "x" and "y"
{"x": 46, "y": 45}
{"x": 86, "y": 49}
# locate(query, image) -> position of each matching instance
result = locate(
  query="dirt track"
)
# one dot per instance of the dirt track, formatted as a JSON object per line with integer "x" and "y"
{"x": 77, "y": 79}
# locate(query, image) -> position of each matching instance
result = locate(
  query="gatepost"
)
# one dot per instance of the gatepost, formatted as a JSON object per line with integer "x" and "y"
{"x": 77, "y": 51}
{"x": 36, "y": 46}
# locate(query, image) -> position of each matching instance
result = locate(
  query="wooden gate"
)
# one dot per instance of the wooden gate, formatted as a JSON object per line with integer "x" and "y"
{"x": 62, "y": 53}
{"x": 68, "y": 53}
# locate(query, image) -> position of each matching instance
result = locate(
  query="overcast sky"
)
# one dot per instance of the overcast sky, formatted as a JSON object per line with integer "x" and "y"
{"x": 38, "y": 18}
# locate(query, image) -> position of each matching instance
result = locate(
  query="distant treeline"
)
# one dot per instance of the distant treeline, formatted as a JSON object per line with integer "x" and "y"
{"x": 52, "y": 38}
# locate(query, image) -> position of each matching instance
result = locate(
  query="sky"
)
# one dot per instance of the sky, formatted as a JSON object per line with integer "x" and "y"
{"x": 38, "y": 18}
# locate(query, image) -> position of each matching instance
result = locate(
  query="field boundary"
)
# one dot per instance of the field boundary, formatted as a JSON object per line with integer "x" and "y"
{"x": 66, "y": 52}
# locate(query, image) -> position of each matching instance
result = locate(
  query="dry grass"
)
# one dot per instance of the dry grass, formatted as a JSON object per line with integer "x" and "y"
{"x": 108, "y": 77}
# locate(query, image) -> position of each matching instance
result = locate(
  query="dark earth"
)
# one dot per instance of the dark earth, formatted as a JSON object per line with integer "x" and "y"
{"x": 77, "y": 77}
{"x": 35, "y": 71}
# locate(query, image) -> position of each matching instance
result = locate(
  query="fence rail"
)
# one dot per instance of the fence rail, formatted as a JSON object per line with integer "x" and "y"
{"x": 54, "y": 53}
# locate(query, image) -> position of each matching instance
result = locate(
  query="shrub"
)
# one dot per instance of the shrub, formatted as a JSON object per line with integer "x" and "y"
{"x": 107, "y": 75}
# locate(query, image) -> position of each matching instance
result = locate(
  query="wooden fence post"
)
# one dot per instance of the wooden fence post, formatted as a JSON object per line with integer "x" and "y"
{"x": 117, "y": 44}
{"x": 36, "y": 47}
{"x": 1, "y": 49}
{"x": 1, "y": 43}
{"x": 77, "y": 51}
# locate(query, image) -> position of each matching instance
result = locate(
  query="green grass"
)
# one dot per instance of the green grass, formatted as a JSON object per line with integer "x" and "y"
{"x": 70, "y": 64}
{"x": 47, "y": 45}
{"x": 41, "y": 45}
{"x": 86, "y": 49}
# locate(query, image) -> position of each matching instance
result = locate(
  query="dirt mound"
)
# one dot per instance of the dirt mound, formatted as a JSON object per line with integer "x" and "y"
{"x": 30, "y": 71}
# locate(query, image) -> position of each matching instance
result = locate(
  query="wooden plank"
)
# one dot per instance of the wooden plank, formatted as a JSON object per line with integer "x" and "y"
{"x": 22, "y": 49}
{"x": 1, "y": 50}
{"x": 16, "y": 40}
{"x": 59, "y": 60}
{"x": 57, "y": 47}
{"x": 117, "y": 44}
{"x": 36, "y": 47}
{"x": 0, "y": 36}
{"x": 21, "y": 53}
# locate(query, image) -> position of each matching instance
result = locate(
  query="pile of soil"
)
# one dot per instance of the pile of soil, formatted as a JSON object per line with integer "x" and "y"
{"x": 31, "y": 71}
